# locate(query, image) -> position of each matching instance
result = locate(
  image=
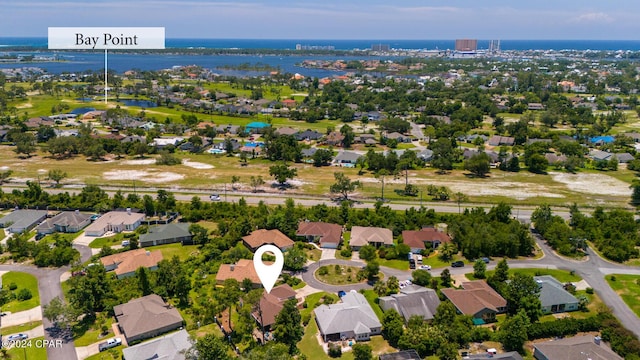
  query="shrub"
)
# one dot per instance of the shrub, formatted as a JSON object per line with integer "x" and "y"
{"x": 345, "y": 252}
{"x": 613, "y": 278}
{"x": 337, "y": 269}
{"x": 323, "y": 270}
{"x": 13, "y": 286}
{"x": 24, "y": 294}
{"x": 590, "y": 290}
{"x": 335, "y": 350}
{"x": 306, "y": 318}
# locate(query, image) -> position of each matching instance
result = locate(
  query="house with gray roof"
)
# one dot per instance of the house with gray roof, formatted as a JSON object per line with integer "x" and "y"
{"x": 599, "y": 155}
{"x": 512, "y": 355}
{"x": 346, "y": 158}
{"x": 308, "y": 135}
{"x": 146, "y": 317}
{"x": 19, "y": 221}
{"x": 553, "y": 297}
{"x": 624, "y": 158}
{"x": 166, "y": 234}
{"x": 412, "y": 300}
{"x": 399, "y": 137}
{"x": 66, "y": 222}
{"x": 353, "y": 318}
{"x": 574, "y": 348}
{"x": 167, "y": 347}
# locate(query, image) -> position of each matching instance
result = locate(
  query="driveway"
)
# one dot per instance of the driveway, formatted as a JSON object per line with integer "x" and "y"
{"x": 33, "y": 333}
{"x": 22, "y": 317}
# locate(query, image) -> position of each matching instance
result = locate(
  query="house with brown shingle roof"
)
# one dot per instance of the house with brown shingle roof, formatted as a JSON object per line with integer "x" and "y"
{"x": 263, "y": 237}
{"x": 239, "y": 271}
{"x": 126, "y": 263}
{"x": 327, "y": 235}
{"x": 271, "y": 304}
{"x": 334, "y": 138}
{"x": 497, "y": 140}
{"x": 478, "y": 299}
{"x": 361, "y": 236}
{"x": 146, "y": 317}
{"x": 416, "y": 239}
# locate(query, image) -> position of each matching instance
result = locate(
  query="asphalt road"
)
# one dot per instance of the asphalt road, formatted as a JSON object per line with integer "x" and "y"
{"x": 49, "y": 288}
{"x": 592, "y": 270}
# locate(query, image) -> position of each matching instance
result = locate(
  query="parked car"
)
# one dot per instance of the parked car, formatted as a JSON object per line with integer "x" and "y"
{"x": 39, "y": 236}
{"x": 425, "y": 267}
{"x": 111, "y": 343}
{"x": 17, "y": 337}
{"x": 412, "y": 264}
{"x": 457, "y": 264}
{"x": 125, "y": 243}
{"x": 214, "y": 197}
{"x": 486, "y": 260}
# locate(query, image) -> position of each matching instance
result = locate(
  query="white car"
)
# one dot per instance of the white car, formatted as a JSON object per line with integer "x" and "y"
{"x": 425, "y": 267}
{"x": 111, "y": 343}
{"x": 17, "y": 337}
{"x": 214, "y": 197}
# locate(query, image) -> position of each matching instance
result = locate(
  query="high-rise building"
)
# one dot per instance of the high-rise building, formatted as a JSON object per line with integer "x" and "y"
{"x": 380, "y": 47}
{"x": 466, "y": 44}
{"x": 494, "y": 46}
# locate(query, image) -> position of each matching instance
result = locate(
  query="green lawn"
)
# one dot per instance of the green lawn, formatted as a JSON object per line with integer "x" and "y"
{"x": 111, "y": 354}
{"x": 310, "y": 347}
{"x": 2, "y": 234}
{"x": 62, "y": 236}
{"x": 345, "y": 275}
{"x": 24, "y": 281}
{"x": 395, "y": 263}
{"x": 435, "y": 261}
{"x": 30, "y": 351}
{"x": 209, "y": 225}
{"x": 312, "y": 301}
{"x": 89, "y": 333}
{"x": 561, "y": 275}
{"x": 20, "y": 328}
{"x": 300, "y": 285}
{"x": 313, "y": 254}
{"x": 109, "y": 241}
{"x": 170, "y": 250}
{"x": 371, "y": 297}
{"x": 628, "y": 287}
{"x": 346, "y": 236}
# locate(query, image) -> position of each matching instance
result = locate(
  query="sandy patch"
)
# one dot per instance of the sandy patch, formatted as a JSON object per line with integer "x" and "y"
{"x": 24, "y": 106}
{"x": 151, "y": 175}
{"x": 480, "y": 187}
{"x": 196, "y": 165}
{"x": 139, "y": 162}
{"x": 597, "y": 184}
{"x": 4, "y": 168}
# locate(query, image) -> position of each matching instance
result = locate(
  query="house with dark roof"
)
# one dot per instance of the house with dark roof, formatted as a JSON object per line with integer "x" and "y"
{"x": 361, "y": 236}
{"x": 65, "y": 221}
{"x": 553, "y": 296}
{"x": 599, "y": 155}
{"x": 346, "y": 158}
{"x": 327, "y": 235}
{"x": 126, "y": 263}
{"x": 401, "y": 355}
{"x": 399, "y": 137}
{"x": 417, "y": 240}
{"x": 497, "y": 140}
{"x": 478, "y": 299}
{"x": 308, "y": 135}
{"x": 412, "y": 300}
{"x": 334, "y": 138}
{"x": 624, "y": 158}
{"x": 239, "y": 271}
{"x": 168, "y": 347}
{"x": 146, "y": 317}
{"x": 166, "y": 234}
{"x": 574, "y": 348}
{"x": 19, "y": 221}
{"x": 271, "y": 304}
{"x": 267, "y": 237}
{"x": 512, "y": 355}
{"x": 353, "y": 318}
{"x": 307, "y": 153}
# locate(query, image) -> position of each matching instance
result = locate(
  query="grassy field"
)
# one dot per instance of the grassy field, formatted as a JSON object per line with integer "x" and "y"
{"x": 561, "y": 275}
{"x": 30, "y": 351}
{"x": 20, "y": 328}
{"x": 2, "y": 234}
{"x": 88, "y": 333}
{"x": 371, "y": 297}
{"x": 98, "y": 243}
{"x": 310, "y": 347}
{"x": 111, "y": 354}
{"x": 24, "y": 281}
{"x": 344, "y": 275}
{"x": 170, "y": 250}
{"x": 395, "y": 264}
{"x": 628, "y": 287}
{"x": 313, "y": 254}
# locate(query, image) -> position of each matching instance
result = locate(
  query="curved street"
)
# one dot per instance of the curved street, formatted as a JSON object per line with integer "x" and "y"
{"x": 592, "y": 270}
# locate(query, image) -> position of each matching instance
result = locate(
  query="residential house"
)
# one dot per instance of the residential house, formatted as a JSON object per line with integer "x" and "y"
{"x": 363, "y": 138}
{"x": 267, "y": 237}
{"x": 168, "y": 347}
{"x": 536, "y": 140}
{"x": 624, "y": 158}
{"x": 353, "y": 318}
{"x": 375, "y": 236}
{"x": 399, "y": 137}
{"x": 36, "y": 122}
{"x": 308, "y": 153}
{"x": 478, "y": 299}
{"x": 497, "y": 140}
{"x": 633, "y": 135}
{"x": 256, "y": 127}
{"x": 401, "y": 355}
{"x": 553, "y": 297}
{"x": 346, "y": 159}
{"x": 308, "y": 135}
{"x": 239, "y": 271}
{"x": 535, "y": 106}
{"x": 327, "y": 235}
{"x": 290, "y": 103}
{"x": 65, "y": 221}
{"x": 512, "y": 355}
{"x": 19, "y": 221}
{"x": 574, "y": 348}
{"x": 126, "y": 263}
{"x": 146, "y": 317}
{"x": 412, "y": 300}
{"x": 115, "y": 221}
{"x": 161, "y": 143}
{"x": 554, "y": 158}
{"x": 425, "y": 155}
{"x": 416, "y": 240}
{"x": 285, "y": 130}
{"x": 271, "y": 304}
{"x": 599, "y": 155}
{"x": 334, "y": 138}
{"x": 166, "y": 234}
{"x": 602, "y": 140}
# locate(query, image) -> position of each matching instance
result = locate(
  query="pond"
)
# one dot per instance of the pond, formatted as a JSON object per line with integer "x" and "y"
{"x": 140, "y": 103}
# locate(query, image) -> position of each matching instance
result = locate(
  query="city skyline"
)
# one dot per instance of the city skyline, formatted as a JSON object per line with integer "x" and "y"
{"x": 332, "y": 19}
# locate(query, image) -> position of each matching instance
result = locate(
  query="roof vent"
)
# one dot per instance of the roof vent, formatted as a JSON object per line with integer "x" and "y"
{"x": 232, "y": 267}
{"x": 597, "y": 339}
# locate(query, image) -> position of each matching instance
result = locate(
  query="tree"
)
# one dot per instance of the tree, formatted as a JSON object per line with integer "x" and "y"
{"x": 513, "y": 164}
{"x": 513, "y": 332}
{"x": 421, "y": 277}
{"x": 229, "y": 295}
{"x": 537, "y": 164}
{"x": 343, "y": 185}
{"x": 144, "y": 284}
{"x": 478, "y": 164}
{"x": 479, "y": 269}
{"x": 521, "y": 294}
{"x": 392, "y": 327}
{"x": 287, "y": 328}
{"x": 348, "y": 134}
{"x": 380, "y": 288}
{"x": 209, "y": 347}
{"x": 295, "y": 259}
{"x": 445, "y": 278}
{"x": 443, "y": 154}
{"x": 500, "y": 276}
{"x": 281, "y": 173}
{"x": 371, "y": 270}
{"x": 322, "y": 157}
{"x": 393, "y": 285}
{"x": 5, "y": 175}
{"x": 234, "y": 180}
{"x": 635, "y": 195}
{"x": 460, "y": 198}
{"x": 199, "y": 234}
{"x": 447, "y": 250}
{"x": 362, "y": 352}
{"x": 368, "y": 253}
{"x": 25, "y": 144}
{"x": 56, "y": 175}
{"x": 256, "y": 181}
{"x": 58, "y": 313}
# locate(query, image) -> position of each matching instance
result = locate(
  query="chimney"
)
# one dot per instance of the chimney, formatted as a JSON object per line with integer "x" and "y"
{"x": 596, "y": 340}
{"x": 232, "y": 267}
{"x": 128, "y": 211}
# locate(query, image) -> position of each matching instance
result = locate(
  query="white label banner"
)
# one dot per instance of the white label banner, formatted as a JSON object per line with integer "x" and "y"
{"x": 106, "y": 38}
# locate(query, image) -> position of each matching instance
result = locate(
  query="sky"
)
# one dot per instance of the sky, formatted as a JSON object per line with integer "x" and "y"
{"x": 336, "y": 19}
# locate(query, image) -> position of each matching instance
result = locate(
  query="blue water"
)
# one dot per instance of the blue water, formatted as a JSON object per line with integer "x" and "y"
{"x": 633, "y": 45}
{"x": 140, "y": 103}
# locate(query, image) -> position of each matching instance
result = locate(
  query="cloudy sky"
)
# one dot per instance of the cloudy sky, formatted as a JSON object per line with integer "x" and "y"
{"x": 336, "y": 19}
